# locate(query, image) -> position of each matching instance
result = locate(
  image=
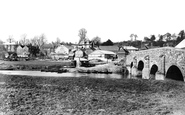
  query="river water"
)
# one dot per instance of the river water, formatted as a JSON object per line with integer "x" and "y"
{"x": 54, "y": 74}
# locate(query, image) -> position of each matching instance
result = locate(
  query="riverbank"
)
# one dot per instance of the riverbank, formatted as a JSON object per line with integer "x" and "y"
{"x": 61, "y": 66}
{"x": 32, "y": 64}
{"x": 55, "y": 96}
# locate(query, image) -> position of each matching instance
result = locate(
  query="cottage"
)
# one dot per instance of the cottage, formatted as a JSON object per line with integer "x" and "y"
{"x": 22, "y": 51}
{"x": 10, "y": 46}
{"x": 61, "y": 52}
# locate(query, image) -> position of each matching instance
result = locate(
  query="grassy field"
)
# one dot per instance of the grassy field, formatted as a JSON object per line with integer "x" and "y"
{"x": 58, "y": 96}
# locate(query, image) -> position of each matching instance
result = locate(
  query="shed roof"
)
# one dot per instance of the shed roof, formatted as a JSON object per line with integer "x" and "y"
{"x": 181, "y": 44}
{"x": 96, "y": 52}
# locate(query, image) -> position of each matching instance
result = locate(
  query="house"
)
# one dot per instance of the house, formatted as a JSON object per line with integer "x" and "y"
{"x": 61, "y": 52}
{"x": 103, "y": 55}
{"x": 10, "y": 46}
{"x": 84, "y": 43}
{"x": 22, "y": 51}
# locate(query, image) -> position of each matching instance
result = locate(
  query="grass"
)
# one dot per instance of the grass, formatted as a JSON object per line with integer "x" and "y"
{"x": 56, "y": 96}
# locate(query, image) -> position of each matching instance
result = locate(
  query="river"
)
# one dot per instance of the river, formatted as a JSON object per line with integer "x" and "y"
{"x": 54, "y": 74}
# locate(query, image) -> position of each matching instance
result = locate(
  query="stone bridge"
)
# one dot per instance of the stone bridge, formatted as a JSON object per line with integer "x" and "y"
{"x": 158, "y": 63}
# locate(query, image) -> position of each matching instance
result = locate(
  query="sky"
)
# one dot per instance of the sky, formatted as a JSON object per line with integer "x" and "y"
{"x": 109, "y": 19}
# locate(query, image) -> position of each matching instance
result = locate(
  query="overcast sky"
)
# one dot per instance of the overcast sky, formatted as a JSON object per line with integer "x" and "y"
{"x": 108, "y": 19}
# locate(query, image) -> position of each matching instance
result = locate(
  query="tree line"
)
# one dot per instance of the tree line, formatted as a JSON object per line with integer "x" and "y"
{"x": 167, "y": 39}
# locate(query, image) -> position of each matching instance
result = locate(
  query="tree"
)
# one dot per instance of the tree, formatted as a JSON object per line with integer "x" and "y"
{"x": 33, "y": 41}
{"x": 146, "y": 39}
{"x": 150, "y": 40}
{"x": 167, "y": 36}
{"x": 56, "y": 43}
{"x": 174, "y": 36}
{"x": 82, "y": 34}
{"x": 96, "y": 41}
{"x": 108, "y": 43}
{"x": 160, "y": 37}
{"x": 182, "y": 34}
{"x": 135, "y": 35}
{"x": 23, "y": 40}
{"x": 10, "y": 39}
{"x": 131, "y": 36}
{"x": 34, "y": 50}
{"x": 39, "y": 41}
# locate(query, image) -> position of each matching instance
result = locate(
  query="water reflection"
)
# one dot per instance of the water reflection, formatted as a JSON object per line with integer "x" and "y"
{"x": 53, "y": 74}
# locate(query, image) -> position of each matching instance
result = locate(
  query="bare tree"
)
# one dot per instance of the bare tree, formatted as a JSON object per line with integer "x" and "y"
{"x": 82, "y": 34}
{"x": 33, "y": 41}
{"x": 39, "y": 41}
{"x": 10, "y": 39}
{"x": 131, "y": 36}
{"x": 24, "y": 40}
{"x": 56, "y": 43}
{"x": 135, "y": 36}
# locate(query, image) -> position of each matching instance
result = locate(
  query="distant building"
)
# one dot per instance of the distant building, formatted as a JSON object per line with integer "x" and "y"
{"x": 84, "y": 43}
{"x": 102, "y": 55}
{"x": 10, "y": 46}
{"x": 22, "y": 51}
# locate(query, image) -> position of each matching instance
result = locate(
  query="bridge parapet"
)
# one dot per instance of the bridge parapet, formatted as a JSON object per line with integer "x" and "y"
{"x": 159, "y": 62}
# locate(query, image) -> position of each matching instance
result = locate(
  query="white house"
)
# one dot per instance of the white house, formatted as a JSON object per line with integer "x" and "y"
{"x": 61, "y": 52}
{"x": 22, "y": 51}
{"x": 102, "y": 55}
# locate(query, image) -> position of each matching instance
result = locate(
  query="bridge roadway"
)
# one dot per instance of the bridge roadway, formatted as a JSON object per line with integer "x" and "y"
{"x": 157, "y": 63}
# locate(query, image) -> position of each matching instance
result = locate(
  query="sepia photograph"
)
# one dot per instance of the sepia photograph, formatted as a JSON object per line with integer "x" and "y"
{"x": 92, "y": 57}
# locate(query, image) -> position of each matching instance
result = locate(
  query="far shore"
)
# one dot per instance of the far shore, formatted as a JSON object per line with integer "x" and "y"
{"x": 60, "y": 66}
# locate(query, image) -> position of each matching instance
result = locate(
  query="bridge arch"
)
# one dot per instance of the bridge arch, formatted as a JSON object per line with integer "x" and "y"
{"x": 139, "y": 69}
{"x": 153, "y": 71}
{"x": 174, "y": 73}
{"x": 140, "y": 65}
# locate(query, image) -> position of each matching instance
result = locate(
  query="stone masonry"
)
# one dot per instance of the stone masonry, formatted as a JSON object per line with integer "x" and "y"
{"x": 165, "y": 62}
